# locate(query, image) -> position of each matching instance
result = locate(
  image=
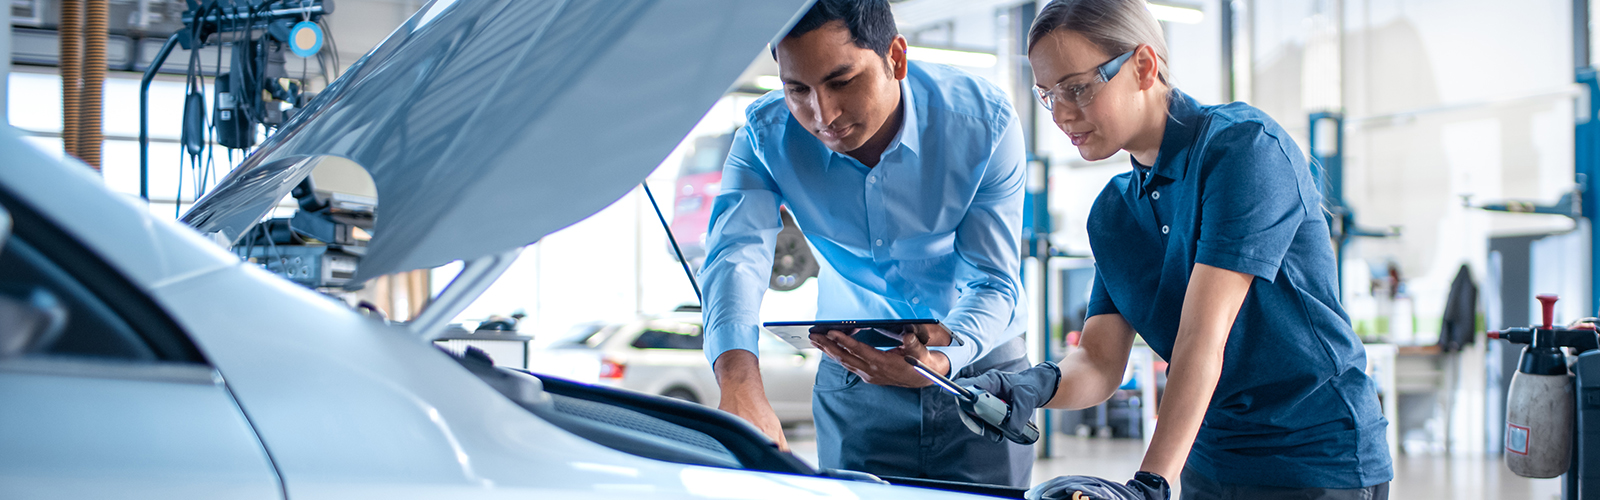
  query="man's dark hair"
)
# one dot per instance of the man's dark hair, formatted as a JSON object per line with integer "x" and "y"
{"x": 870, "y": 22}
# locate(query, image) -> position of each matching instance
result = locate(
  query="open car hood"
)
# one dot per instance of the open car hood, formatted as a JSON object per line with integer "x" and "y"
{"x": 487, "y": 124}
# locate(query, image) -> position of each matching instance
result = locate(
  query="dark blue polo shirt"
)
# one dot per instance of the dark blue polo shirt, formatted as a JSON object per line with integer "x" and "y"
{"x": 1230, "y": 189}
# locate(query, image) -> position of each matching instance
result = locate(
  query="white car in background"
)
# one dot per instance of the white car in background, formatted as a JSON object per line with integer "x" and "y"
{"x": 140, "y": 360}
{"x": 664, "y": 356}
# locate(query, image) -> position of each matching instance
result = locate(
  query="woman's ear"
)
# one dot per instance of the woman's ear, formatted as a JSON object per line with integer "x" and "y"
{"x": 1148, "y": 66}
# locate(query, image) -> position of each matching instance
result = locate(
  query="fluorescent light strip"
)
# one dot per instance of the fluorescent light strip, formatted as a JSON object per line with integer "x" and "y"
{"x": 769, "y": 82}
{"x": 952, "y": 57}
{"x": 1176, "y": 14}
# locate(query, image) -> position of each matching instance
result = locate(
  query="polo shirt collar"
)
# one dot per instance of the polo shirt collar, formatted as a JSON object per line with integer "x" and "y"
{"x": 1183, "y": 120}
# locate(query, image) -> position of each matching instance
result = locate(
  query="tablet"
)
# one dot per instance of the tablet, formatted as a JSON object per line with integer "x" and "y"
{"x": 798, "y": 333}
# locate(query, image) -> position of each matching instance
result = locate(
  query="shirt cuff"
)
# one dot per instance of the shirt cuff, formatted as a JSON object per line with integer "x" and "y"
{"x": 1235, "y": 262}
{"x": 730, "y": 337}
{"x": 959, "y": 355}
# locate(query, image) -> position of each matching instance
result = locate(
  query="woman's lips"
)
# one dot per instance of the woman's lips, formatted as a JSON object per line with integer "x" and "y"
{"x": 1078, "y": 138}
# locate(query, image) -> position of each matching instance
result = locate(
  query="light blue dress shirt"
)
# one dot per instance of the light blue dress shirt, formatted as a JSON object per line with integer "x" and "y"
{"x": 934, "y": 231}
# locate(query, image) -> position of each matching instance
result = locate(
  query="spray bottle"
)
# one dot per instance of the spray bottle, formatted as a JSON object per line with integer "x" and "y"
{"x": 1539, "y": 405}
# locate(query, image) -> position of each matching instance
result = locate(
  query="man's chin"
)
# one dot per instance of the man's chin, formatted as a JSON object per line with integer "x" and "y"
{"x": 842, "y": 147}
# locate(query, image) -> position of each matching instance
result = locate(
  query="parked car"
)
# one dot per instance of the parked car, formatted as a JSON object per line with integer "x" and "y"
{"x": 138, "y": 359}
{"x": 663, "y": 355}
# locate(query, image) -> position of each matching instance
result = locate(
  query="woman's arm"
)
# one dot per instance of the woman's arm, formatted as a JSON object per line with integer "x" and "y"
{"x": 1210, "y": 305}
{"x": 1091, "y": 374}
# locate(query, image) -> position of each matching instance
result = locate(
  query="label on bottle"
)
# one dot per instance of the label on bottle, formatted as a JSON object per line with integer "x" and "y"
{"x": 1516, "y": 439}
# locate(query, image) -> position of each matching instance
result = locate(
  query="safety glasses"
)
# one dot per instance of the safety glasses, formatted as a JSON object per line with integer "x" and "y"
{"x": 1081, "y": 89}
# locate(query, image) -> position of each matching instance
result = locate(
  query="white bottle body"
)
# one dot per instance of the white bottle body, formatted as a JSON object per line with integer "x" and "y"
{"x": 1539, "y": 420}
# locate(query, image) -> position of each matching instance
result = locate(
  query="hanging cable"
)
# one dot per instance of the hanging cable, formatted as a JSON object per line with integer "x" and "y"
{"x": 674, "y": 241}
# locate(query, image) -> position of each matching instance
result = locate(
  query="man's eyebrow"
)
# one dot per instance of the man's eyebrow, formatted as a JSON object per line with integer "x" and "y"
{"x": 838, "y": 71}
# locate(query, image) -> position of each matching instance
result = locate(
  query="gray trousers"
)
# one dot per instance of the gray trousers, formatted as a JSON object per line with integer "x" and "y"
{"x": 916, "y": 433}
{"x": 1199, "y": 487}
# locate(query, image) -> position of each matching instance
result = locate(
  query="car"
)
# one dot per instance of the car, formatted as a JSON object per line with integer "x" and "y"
{"x": 663, "y": 355}
{"x": 698, "y": 182}
{"x": 140, "y": 359}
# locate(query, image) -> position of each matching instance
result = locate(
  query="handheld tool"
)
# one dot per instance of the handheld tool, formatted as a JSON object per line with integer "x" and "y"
{"x": 979, "y": 404}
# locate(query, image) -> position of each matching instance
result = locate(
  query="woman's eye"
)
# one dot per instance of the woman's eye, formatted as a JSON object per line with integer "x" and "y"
{"x": 1077, "y": 90}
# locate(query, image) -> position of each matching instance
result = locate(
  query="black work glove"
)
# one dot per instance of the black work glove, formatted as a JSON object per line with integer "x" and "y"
{"x": 1143, "y": 486}
{"x": 1023, "y": 391}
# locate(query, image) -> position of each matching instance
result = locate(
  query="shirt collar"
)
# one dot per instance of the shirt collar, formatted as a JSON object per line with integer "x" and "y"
{"x": 1183, "y": 117}
{"x": 910, "y": 135}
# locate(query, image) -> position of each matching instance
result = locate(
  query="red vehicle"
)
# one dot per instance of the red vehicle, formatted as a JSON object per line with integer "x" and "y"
{"x": 699, "y": 180}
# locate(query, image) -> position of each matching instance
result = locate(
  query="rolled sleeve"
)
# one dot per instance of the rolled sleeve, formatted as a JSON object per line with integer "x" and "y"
{"x": 743, "y": 232}
{"x": 1252, "y": 206}
{"x": 988, "y": 238}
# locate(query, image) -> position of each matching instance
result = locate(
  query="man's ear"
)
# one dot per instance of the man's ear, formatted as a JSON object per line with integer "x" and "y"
{"x": 897, "y": 57}
{"x": 1148, "y": 66}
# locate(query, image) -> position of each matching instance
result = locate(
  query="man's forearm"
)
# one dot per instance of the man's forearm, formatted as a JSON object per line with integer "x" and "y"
{"x": 739, "y": 374}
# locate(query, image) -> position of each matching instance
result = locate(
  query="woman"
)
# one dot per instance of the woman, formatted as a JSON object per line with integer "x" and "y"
{"x": 1214, "y": 249}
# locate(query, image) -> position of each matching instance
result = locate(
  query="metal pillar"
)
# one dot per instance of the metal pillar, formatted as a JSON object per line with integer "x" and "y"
{"x": 144, "y": 113}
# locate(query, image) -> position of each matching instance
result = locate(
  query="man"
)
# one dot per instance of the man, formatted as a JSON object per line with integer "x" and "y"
{"x": 908, "y": 181}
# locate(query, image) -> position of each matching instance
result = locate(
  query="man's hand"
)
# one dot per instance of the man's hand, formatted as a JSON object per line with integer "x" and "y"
{"x": 1144, "y": 486}
{"x": 888, "y": 367}
{"x": 739, "y": 375}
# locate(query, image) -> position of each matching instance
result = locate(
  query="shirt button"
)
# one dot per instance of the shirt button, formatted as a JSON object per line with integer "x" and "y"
{"x": 1155, "y": 195}
{"x": 1163, "y": 229}
{"x": 915, "y": 300}
{"x": 872, "y": 179}
{"x": 878, "y": 243}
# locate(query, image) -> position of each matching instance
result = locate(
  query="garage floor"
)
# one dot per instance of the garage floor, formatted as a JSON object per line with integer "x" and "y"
{"x": 1416, "y": 477}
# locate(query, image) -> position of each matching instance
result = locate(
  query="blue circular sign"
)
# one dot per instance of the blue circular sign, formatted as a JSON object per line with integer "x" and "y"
{"x": 305, "y": 39}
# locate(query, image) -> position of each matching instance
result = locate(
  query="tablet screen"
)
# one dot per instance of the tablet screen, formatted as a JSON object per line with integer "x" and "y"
{"x": 798, "y": 333}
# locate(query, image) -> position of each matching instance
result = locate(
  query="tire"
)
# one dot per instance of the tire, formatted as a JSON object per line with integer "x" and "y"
{"x": 681, "y": 393}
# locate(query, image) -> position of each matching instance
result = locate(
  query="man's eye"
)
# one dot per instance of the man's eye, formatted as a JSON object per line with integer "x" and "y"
{"x": 841, "y": 83}
{"x": 796, "y": 89}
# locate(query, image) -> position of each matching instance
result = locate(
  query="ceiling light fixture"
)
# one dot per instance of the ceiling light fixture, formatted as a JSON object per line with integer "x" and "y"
{"x": 1176, "y": 12}
{"x": 769, "y": 82}
{"x": 952, "y": 57}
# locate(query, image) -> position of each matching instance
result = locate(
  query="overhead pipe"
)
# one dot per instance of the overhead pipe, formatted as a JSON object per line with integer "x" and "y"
{"x": 70, "y": 30}
{"x": 91, "y": 99}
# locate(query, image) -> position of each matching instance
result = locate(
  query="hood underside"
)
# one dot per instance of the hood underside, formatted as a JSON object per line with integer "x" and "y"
{"x": 487, "y": 124}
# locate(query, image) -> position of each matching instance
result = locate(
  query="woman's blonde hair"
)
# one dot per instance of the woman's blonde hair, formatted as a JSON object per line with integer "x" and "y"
{"x": 1113, "y": 26}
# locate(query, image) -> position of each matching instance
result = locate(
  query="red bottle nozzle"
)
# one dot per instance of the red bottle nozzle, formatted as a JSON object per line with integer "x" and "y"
{"x": 1548, "y": 303}
{"x": 1494, "y": 335}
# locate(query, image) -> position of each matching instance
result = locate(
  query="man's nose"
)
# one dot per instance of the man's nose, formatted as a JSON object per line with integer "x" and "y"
{"x": 828, "y": 108}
